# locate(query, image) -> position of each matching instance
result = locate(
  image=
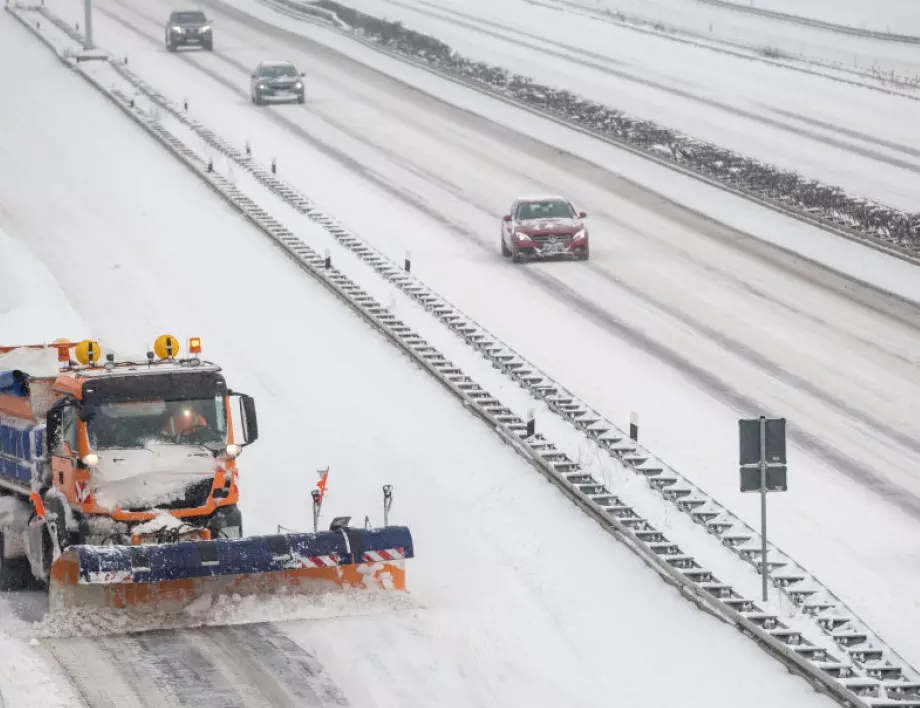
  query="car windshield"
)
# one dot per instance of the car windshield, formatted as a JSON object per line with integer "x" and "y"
{"x": 189, "y": 18}
{"x": 134, "y": 424}
{"x": 273, "y": 70}
{"x": 545, "y": 209}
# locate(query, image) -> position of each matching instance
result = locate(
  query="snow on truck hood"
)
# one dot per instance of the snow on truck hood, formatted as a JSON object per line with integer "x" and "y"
{"x": 157, "y": 474}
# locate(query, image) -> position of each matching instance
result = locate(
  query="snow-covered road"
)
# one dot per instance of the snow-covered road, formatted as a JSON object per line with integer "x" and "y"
{"x": 783, "y": 117}
{"x": 518, "y": 599}
{"x": 684, "y": 316}
{"x": 711, "y": 21}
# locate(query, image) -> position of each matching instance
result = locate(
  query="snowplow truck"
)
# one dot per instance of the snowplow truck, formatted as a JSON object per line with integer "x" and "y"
{"x": 118, "y": 487}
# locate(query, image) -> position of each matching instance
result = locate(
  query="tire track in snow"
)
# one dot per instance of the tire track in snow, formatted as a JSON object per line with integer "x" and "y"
{"x": 245, "y": 666}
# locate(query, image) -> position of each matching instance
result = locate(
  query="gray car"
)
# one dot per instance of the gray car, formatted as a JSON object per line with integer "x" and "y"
{"x": 277, "y": 82}
{"x": 189, "y": 28}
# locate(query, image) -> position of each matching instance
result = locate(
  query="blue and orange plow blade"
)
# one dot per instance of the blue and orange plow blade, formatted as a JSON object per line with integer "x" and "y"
{"x": 167, "y": 577}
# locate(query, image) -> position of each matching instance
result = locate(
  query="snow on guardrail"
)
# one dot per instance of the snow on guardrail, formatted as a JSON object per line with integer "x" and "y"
{"x": 848, "y": 668}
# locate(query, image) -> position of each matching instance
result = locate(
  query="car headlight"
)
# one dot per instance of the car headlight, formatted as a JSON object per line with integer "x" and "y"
{"x": 298, "y": 85}
{"x": 206, "y": 28}
{"x": 178, "y": 29}
{"x": 261, "y": 86}
{"x": 580, "y": 235}
{"x": 522, "y": 236}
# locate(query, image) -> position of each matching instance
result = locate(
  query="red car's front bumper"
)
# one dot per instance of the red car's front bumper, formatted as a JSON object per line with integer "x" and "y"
{"x": 546, "y": 247}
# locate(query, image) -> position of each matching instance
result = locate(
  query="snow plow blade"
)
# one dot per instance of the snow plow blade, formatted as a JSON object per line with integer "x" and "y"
{"x": 166, "y": 578}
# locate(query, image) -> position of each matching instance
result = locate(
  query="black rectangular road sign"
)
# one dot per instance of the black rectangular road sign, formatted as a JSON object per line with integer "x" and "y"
{"x": 749, "y": 438}
{"x": 776, "y": 479}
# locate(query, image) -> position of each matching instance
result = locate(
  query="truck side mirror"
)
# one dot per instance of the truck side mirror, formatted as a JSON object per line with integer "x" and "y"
{"x": 248, "y": 419}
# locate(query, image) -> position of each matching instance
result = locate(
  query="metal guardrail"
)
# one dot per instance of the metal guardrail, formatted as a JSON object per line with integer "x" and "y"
{"x": 839, "y": 676}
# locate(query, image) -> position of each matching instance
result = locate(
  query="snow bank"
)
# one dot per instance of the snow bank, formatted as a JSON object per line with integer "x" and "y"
{"x": 158, "y": 474}
{"x": 27, "y": 679}
{"x": 33, "y": 308}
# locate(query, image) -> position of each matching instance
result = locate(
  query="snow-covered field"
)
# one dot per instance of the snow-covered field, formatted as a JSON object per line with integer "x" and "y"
{"x": 520, "y": 599}
{"x": 687, "y": 320}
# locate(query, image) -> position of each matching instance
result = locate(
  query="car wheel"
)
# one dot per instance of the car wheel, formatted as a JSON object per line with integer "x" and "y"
{"x": 209, "y": 46}
{"x": 505, "y": 250}
{"x": 301, "y": 99}
{"x": 257, "y": 99}
{"x": 516, "y": 257}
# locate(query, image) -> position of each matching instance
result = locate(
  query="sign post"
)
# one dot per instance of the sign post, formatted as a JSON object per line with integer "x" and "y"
{"x": 762, "y": 463}
{"x": 87, "y": 25}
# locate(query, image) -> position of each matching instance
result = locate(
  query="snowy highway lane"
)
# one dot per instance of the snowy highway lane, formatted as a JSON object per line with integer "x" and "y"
{"x": 687, "y": 320}
{"x": 773, "y": 114}
{"x": 517, "y": 598}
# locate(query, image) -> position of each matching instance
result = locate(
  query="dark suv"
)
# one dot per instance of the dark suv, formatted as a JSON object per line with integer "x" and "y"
{"x": 189, "y": 28}
{"x": 277, "y": 81}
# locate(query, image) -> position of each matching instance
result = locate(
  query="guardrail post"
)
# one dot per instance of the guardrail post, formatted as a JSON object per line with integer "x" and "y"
{"x": 407, "y": 262}
{"x": 274, "y": 166}
{"x": 531, "y": 423}
{"x": 185, "y": 104}
{"x": 210, "y": 164}
{"x": 634, "y": 426}
{"x": 248, "y": 149}
{"x": 327, "y": 260}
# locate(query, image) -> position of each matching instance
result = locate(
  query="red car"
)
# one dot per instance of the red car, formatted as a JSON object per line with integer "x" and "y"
{"x": 544, "y": 227}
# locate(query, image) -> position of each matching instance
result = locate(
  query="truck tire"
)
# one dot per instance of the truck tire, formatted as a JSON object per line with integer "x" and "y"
{"x": 14, "y": 572}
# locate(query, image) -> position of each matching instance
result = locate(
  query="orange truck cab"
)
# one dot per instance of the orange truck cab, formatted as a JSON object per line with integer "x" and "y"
{"x": 116, "y": 451}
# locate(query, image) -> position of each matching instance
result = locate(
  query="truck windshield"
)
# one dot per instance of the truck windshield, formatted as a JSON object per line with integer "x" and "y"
{"x": 185, "y": 421}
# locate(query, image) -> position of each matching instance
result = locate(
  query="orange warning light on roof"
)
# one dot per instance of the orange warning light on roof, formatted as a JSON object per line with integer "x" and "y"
{"x": 194, "y": 345}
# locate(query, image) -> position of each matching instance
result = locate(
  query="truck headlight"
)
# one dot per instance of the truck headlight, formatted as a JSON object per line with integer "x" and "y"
{"x": 233, "y": 450}
{"x": 90, "y": 460}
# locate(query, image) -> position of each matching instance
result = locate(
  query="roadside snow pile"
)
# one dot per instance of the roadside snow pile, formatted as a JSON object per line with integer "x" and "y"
{"x": 27, "y": 678}
{"x": 226, "y": 610}
{"x": 33, "y": 308}
{"x": 786, "y": 189}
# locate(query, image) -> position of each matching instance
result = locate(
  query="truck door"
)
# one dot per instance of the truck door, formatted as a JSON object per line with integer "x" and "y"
{"x": 62, "y": 442}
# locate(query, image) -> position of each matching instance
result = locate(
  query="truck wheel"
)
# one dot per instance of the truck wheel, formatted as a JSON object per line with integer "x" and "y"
{"x": 14, "y": 572}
